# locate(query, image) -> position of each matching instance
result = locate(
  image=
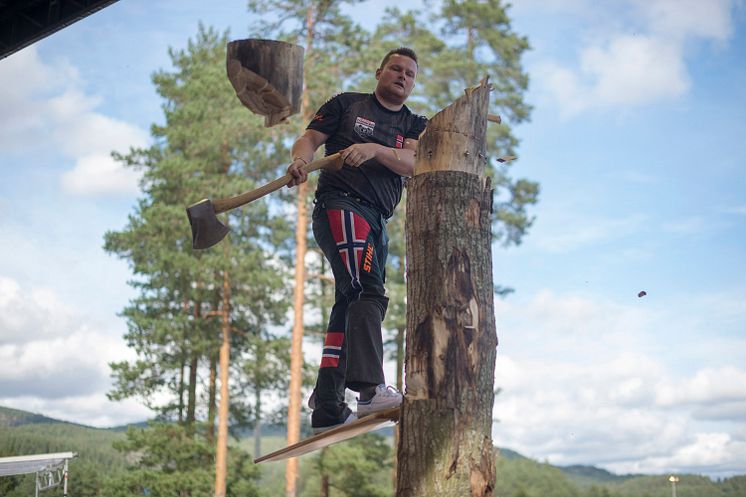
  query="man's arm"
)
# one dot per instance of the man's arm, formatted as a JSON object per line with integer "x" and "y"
{"x": 398, "y": 160}
{"x": 303, "y": 149}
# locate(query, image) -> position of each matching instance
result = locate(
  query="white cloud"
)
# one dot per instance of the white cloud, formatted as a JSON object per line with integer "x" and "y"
{"x": 634, "y": 70}
{"x": 713, "y": 453}
{"x": 99, "y": 174}
{"x": 25, "y": 317}
{"x": 707, "y": 387}
{"x": 623, "y": 71}
{"x": 51, "y": 352}
{"x": 583, "y": 383}
{"x": 688, "y": 18}
{"x": 47, "y": 110}
{"x": 637, "y": 56}
{"x": 92, "y": 410}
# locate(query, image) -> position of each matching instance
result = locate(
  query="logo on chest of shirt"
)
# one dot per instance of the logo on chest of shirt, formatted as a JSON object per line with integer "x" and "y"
{"x": 364, "y": 127}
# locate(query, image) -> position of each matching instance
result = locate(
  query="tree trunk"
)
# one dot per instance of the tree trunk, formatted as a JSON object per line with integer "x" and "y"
{"x": 221, "y": 452}
{"x": 325, "y": 485}
{"x": 182, "y": 363}
{"x": 192, "y": 392}
{"x": 212, "y": 395}
{"x": 445, "y": 446}
{"x": 296, "y": 352}
{"x": 257, "y": 420}
{"x": 182, "y": 383}
{"x": 192, "y": 382}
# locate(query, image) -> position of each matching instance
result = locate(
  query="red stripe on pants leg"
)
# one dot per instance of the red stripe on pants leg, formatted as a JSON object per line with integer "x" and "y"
{"x": 332, "y": 349}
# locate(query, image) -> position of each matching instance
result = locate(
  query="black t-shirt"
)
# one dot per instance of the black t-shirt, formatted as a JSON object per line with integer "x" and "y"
{"x": 350, "y": 118}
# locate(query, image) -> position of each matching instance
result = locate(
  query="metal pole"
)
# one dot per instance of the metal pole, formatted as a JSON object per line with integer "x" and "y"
{"x": 64, "y": 483}
{"x": 673, "y": 480}
{"x": 36, "y": 484}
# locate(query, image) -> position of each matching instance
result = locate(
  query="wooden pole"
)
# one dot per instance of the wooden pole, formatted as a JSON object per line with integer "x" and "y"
{"x": 221, "y": 452}
{"x": 301, "y": 233}
{"x": 445, "y": 446}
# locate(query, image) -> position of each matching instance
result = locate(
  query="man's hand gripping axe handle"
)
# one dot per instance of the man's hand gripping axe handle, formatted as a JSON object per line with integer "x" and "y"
{"x": 207, "y": 230}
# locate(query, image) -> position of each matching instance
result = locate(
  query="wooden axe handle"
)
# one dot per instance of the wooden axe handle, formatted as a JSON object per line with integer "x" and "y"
{"x": 333, "y": 161}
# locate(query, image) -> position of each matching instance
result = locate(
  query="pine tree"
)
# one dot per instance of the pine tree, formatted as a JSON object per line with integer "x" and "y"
{"x": 171, "y": 461}
{"x": 188, "y": 300}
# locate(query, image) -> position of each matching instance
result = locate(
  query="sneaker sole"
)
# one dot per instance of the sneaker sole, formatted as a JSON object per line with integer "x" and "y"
{"x": 321, "y": 429}
{"x": 363, "y": 410}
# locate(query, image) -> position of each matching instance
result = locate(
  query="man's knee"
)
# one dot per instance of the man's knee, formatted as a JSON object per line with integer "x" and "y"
{"x": 373, "y": 299}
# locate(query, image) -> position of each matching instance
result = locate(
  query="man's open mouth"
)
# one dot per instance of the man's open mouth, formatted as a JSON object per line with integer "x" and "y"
{"x": 398, "y": 83}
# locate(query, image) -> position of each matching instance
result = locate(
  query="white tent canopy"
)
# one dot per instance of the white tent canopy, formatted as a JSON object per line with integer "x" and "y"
{"x": 50, "y": 469}
{"x": 21, "y": 465}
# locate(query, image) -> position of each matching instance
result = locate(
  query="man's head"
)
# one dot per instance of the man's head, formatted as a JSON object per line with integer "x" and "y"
{"x": 396, "y": 75}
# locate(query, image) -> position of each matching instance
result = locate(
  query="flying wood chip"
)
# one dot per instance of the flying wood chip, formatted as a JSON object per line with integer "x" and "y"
{"x": 267, "y": 76}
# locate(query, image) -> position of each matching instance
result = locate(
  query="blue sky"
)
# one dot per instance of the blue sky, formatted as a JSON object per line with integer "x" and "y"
{"x": 636, "y": 139}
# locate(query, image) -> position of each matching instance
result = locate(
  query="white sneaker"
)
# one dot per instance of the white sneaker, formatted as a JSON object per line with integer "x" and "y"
{"x": 385, "y": 397}
{"x": 321, "y": 429}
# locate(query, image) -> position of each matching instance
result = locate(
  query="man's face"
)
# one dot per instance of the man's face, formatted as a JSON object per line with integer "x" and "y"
{"x": 396, "y": 78}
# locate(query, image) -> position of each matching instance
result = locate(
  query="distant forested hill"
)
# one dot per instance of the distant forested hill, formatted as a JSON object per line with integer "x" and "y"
{"x": 517, "y": 476}
{"x": 14, "y": 417}
{"x": 25, "y": 433}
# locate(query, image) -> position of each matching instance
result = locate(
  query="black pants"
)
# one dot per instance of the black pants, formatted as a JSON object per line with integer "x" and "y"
{"x": 353, "y": 238}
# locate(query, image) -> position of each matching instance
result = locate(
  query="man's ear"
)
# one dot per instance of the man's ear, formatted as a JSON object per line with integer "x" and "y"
{"x": 378, "y": 73}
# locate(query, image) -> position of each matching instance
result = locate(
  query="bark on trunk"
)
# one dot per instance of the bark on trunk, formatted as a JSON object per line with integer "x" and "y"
{"x": 445, "y": 445}
{"x": 325, "y": 485}
{"x": 192, "y": 392}
{"x": 296, "y": 352}
{"x": 182, "y": 364}
{"x": 212, "y": 397}
{"x": 221, "y": 452}
{"x": 182, "y": 384}
{"x": 267, "y": 76}
{"x": 192, "y": 381}
{"x": 257, "y": 420}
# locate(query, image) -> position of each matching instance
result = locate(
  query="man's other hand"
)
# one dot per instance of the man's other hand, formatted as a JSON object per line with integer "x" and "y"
{"x": 298, "y": 173}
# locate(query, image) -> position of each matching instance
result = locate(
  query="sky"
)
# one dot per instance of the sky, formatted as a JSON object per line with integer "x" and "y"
{"x": 636, "y": 138}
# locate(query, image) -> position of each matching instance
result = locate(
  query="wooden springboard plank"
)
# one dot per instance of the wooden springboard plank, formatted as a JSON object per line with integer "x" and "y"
{"x": 382, "y": 419}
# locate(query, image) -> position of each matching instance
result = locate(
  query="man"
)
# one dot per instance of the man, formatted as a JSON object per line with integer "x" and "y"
{"x": 376, "y": 135}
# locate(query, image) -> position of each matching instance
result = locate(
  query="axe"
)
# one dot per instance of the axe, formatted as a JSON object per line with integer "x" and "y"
{"x": 207, "y": 230}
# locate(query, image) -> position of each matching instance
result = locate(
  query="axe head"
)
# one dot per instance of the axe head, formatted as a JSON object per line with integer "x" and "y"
{"x": 206, "y": 229}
